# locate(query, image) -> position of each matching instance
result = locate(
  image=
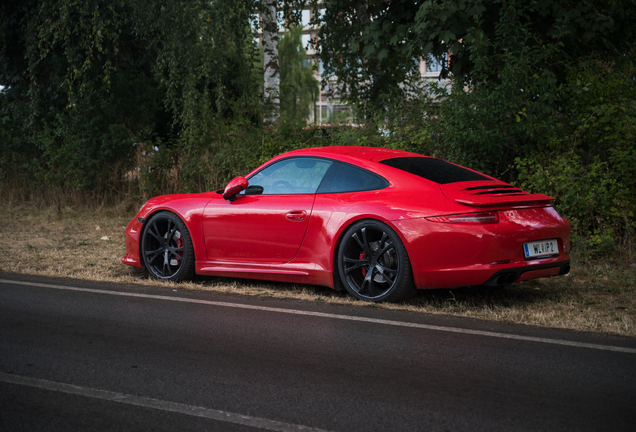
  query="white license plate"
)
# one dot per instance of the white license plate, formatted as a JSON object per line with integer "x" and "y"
{"x": 541, "y": 248}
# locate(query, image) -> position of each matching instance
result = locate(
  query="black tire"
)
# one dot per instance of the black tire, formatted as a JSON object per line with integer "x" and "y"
{"x": 373, "y": 264}
{"x": 166, "y": 248}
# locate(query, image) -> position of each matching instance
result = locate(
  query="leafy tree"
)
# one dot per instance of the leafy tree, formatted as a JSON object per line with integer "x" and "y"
{"x": 587, "y": 162}
{"x": 362, "y": 44}
{"x": 371, "y": 46}
{"x": 583, "y": 27}
{"x": 508, "y": 105}
{"x": 89, "y": 83}
{"x": 79, "y": 91}
{"x": 206, "y": 58}
{"x": 299, "y": 87}
{"x": 510, "y": 71}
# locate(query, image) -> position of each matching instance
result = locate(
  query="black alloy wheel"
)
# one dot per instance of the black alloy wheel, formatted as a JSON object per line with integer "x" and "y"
{"x": 373, "y": 263}
{"x": 166, "y": 248}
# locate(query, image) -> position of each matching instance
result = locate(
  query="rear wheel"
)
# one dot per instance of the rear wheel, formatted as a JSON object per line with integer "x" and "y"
{"x": 373, "y": 263}
{"x": 166, "y": 248}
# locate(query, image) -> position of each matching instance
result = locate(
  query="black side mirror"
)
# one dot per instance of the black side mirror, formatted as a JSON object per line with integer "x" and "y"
{"x": 254, "y": 190}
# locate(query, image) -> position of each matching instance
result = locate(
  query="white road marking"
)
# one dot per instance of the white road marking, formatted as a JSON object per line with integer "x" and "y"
{"x": 335, "y": 316}
{"x": 145, "y": 402}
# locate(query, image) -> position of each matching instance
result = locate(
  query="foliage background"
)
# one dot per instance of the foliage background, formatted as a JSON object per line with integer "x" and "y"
{"x": 120, "y": 100}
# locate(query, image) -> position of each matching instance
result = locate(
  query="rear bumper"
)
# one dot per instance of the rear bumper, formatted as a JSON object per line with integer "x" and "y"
{"x": 491, "y": 275}
{"x": 447, "y": 255}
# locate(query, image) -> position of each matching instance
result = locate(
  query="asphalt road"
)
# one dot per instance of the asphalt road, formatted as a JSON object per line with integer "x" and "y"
{"x": 85, "y": 356}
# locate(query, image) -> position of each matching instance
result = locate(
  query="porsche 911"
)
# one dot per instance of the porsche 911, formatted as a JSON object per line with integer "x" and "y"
{"x": 378, "y": 223}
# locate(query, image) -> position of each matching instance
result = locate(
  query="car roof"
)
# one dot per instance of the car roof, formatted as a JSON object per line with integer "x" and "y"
{"x": 374, "y": 154}
{"x": 369, "y": 158}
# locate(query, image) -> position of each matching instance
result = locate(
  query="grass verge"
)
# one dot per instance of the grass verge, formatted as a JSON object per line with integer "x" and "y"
{"x": 89, "y": 243}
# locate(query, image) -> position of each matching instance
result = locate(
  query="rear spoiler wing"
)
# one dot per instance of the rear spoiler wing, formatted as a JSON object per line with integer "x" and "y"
{"x": 491, "y": 193}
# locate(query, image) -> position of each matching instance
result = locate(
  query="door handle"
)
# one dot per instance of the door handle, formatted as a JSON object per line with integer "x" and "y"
{"x": 296, "y": 215}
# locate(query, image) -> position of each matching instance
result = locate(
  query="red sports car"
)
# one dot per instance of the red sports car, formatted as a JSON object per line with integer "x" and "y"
{"x": 379, "y": 223}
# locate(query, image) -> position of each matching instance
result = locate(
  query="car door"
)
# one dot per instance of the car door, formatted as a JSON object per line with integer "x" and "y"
{"x": 267, "y": 222}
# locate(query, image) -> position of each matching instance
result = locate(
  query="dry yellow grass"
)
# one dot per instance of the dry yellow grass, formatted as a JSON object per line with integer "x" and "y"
{"x": 594, "y": 297}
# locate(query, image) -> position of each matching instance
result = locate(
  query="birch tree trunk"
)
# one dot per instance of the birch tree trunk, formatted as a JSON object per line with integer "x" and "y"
{"x": 271, "y": 70}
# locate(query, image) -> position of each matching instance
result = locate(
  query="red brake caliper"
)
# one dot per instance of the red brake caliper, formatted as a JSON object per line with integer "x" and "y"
{"x": 364, "y": 270}
{"x": 179, "y": 241}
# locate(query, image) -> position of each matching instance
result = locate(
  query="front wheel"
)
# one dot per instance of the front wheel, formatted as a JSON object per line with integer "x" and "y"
{"x": 166, "y": 248}
{"x": 373, "y": 263}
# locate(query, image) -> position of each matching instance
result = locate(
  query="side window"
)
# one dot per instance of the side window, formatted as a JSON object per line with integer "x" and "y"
{"x": 347, "y": 178}
{"x": 293, "y": 176}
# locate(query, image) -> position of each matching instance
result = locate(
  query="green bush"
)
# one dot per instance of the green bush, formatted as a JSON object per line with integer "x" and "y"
{"x": 591, "y": 196}
{"x": 588, "y": 164}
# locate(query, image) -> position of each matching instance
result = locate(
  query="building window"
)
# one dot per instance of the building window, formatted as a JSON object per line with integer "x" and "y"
{"x": 305, "y": 41}
{"x": 434, "y": 64}
{"x": 306, "y": 17}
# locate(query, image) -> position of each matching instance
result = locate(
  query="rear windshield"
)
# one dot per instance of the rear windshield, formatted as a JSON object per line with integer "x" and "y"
{"x": 435, "y": 170}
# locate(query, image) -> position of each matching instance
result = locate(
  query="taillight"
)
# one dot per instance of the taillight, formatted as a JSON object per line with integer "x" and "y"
{"x": 468, "y": 218}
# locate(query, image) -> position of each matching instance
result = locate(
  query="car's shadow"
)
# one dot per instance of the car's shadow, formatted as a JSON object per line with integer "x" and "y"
{"x": 480, "y": 297}
{"x": 443, "y": 300}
